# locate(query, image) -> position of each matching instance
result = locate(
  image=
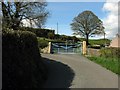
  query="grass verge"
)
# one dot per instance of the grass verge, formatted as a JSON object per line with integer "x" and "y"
{"x": 109, "y": 63}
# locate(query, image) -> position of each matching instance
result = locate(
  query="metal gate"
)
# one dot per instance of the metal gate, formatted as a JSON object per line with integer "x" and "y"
{"x": 67, "y": 48}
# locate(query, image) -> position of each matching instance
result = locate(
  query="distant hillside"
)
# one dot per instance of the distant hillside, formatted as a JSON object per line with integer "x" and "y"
{"x": 97, "y": 41}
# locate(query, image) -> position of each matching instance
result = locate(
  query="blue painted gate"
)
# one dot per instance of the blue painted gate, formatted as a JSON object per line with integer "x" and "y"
{"x": 66, "y": 48}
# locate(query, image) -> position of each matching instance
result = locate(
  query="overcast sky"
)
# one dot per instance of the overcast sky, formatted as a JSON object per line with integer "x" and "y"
{"x": 64, "y": 12}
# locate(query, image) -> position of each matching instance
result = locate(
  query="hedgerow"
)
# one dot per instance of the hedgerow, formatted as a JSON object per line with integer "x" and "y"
{"x": 21, "y": 61}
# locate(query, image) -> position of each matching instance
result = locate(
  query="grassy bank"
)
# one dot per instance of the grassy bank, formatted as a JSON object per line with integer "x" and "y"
{"x": 109, "y": 63}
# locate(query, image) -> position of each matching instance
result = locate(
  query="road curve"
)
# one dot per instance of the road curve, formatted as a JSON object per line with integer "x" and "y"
{"x": 76, "y": 71}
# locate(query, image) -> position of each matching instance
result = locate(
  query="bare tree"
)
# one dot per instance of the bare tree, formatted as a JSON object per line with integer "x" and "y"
{"x": 15, "y": 12}
{"x": 87, "y": 24}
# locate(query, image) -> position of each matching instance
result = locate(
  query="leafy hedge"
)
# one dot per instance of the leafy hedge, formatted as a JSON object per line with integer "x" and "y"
{"x": 42, "y": 43}
{"x": 94, "y": 46}
{"x": 110, "y": 52}
{"x": 22, "y": 65}
{"x": 39, "y": 32}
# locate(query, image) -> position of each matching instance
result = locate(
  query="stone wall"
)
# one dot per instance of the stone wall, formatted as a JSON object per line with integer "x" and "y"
{"x": 93, "y": 52}
{"x": 45, "y": 50}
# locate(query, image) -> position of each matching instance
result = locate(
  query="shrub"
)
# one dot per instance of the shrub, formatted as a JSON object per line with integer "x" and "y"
{"x": 42, "y": 43}
{"x": 51, "y": 35}
{"x": 110, "y": 52}
{"x": 22, "y": 65}
{"x": 39, "y": 32}
{"x": 94, "y": 46}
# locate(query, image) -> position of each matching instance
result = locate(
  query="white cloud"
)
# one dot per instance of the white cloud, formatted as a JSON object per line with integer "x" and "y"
{"x": 26, "y": 23}
{"x": 111, "y": 21}
{"x": 111, "y": 7}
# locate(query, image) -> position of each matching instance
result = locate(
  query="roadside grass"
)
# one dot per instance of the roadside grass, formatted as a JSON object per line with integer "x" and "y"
{"x": 109, "y": 63}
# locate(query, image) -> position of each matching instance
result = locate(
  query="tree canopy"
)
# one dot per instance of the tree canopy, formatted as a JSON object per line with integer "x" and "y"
{"x": 87, "y": 24}
{"x": 15, "y": 12}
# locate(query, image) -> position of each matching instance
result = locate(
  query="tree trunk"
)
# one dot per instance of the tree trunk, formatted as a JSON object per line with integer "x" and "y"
{"x": 87, "y": 39}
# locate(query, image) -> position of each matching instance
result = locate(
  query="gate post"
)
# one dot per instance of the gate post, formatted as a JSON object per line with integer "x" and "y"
{"x": 49, "y": 47}
{"x": 84, "y": 48}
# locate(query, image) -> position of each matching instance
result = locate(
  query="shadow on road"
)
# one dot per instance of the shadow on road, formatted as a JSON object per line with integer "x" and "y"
{"x": 59, "y": 74}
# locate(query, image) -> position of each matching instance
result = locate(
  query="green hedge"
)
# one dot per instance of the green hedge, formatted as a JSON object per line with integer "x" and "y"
{"x": 94, "y": 47}
{"x": 39, "y": 32}
{"x": 22, "y": 65}
{"x": 42, "y": 43}
{"x": 110, "y": 52}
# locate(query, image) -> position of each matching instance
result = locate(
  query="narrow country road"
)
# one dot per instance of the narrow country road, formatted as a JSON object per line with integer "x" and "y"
{"x": 76, "y": 71}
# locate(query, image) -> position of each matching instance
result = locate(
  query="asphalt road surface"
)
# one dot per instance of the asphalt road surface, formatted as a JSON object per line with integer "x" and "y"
{"x": 76, "y": 71}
